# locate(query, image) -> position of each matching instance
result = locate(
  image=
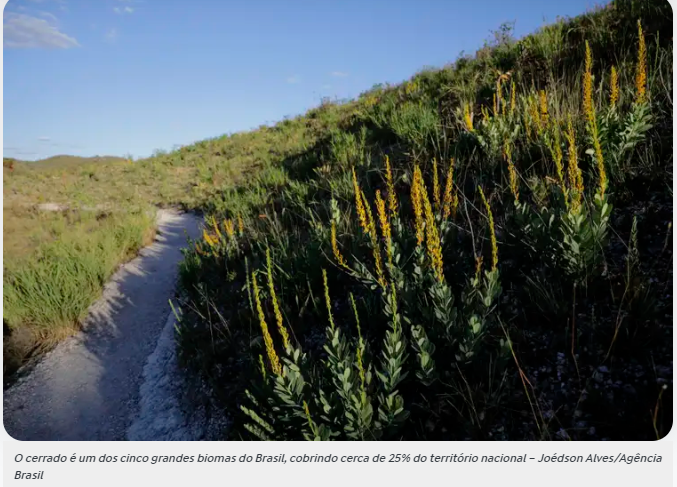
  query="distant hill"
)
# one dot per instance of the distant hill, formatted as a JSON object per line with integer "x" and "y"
{"x": 59, "y": 161}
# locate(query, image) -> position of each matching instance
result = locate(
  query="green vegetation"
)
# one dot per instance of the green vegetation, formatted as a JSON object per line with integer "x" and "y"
{"x": 482, "y": 252}
{"x": 479, "y": 253}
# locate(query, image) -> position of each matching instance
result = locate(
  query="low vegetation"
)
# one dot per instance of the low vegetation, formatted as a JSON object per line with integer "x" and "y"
{"x": 482, "y": 252}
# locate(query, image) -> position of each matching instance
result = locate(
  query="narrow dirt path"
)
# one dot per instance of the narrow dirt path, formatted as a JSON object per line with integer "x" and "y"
{"x": 91, "y": 386}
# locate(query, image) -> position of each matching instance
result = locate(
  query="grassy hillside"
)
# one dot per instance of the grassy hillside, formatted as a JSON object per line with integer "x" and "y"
{"x": 482, "y": 252}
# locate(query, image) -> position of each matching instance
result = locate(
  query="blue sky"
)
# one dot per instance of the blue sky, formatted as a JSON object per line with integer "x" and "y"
{"x": 90, "y": 77}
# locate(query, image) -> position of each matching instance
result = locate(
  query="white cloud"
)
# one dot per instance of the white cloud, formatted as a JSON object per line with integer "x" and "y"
{"x": 339, "y": 74}
{"x": 25, "y": 31}
{"x": 112, "y": 35}
{"x": 44, "y": 139}
{"x": 294, "y": 79}
{"x": 123, "y": 10}
{"x": 49, "y": 17}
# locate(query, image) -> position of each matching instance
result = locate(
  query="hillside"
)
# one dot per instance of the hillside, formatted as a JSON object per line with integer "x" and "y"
{"x": 482, "y": 252}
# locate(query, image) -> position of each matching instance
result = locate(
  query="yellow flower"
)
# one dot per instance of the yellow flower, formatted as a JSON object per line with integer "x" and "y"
{"x": 450, "y": 201}
{"x": 215, "y": 226}
{"x": 267, "y": 339}
{"x": 556, "y": 152}
{"x": 613, "y": 97}
{"x": 374, "y": 242}
{"x": 514, "y": 186}
{"x": 359, "y": 204}
{"x": 385, "y": 226}
{"x": 543, "y": 101}
{"x": 512, "y": 98}
{"x": 433, "y": 243}
{"x": 640, "y": 77}
{"x": 229, "y": 227}
{"x": 276, "y": 307}
{"x": 494, "y": 245}
{"x": 240, "y": 225}
{"x": 467, "y": 117}
{"x": 417, "y": 202}
{"x": 588, "y": 107}
{"x": 334, "y": 245}
{"x": 535, "y": 115}
{"x": 574, "y": 172}
{"x": 211, "y": 241}
{"x": 392, "y": 196}
{"x": 311, "y": 424}
{"x": 495, "y": 106}
{"x": 436, "y": 186}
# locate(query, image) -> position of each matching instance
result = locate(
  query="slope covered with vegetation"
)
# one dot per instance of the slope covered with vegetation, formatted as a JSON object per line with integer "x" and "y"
{"x": 482, "y": 252}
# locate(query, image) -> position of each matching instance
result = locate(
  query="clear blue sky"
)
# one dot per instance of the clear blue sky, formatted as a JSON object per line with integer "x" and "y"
{"x": 90, "y": 77}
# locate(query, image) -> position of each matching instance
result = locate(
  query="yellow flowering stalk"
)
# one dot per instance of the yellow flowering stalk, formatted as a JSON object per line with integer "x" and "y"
{"x": 211, "y": 241}
{"x": 494, "y": 245}
{"x": 417, "y": 202}
{"x": 588, "y": 107}
{"x": 374, "y": 242}
{"x": 512, "y": 98}
{"x": 276, "y": 307}
{"x": 436, "y": 186}
{"x": 199, "y": 250}
{"x": 240, "y": 225}
{"x": 267, "y": 339}
{"x": 215, "y": 226}
{"x": 359, "y": 205}
{"x": 574, "y": 172}
{"x": 433, "y": 244}
{"x": 589, "y": 110}
{"x": 613, "y": 97}
{"x": 543, "y": 102}
{"x": 311, "y": 423}
{"x": 385, "y": 226}
{"x": 392, "y": 196}
{"x": 512, "y": 172}
{"x": 556, "y": 152}
{"x": 478, "y": 267}
{"x": 467, "y": 117}
{"x": 495, "y": 106}
{"x": 450, "y": 201}
{"x": 534, "y": 114}
{"x": 229, "y": 227}
{"x": 334, "y": 245}
{"x": 640, "y": 77}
